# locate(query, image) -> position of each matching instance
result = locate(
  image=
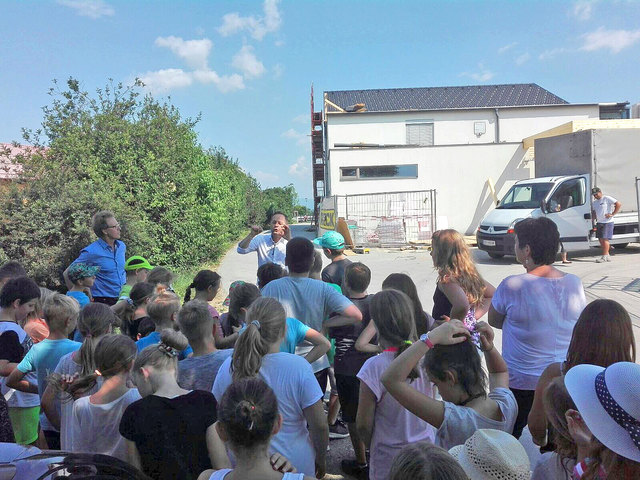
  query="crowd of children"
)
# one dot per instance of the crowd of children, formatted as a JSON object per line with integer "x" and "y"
{"x": 181, "y": 392}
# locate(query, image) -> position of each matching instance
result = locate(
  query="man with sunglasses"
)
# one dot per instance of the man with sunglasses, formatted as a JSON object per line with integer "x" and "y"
{"x": 108, "y": 253}
{"x": 604, "y": 208}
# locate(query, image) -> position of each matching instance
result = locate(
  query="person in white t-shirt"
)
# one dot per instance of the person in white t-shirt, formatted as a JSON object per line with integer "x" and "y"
{"x": 271, "y": 246}
{"x": 604, "y": 208}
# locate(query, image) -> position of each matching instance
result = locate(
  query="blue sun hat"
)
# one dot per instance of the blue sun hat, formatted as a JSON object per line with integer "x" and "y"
{"x": 78, "y": 271}
{"x": 331, "y": 240}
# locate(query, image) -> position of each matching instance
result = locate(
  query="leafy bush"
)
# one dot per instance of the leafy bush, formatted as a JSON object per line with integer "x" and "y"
{"x": 180, "y": 205}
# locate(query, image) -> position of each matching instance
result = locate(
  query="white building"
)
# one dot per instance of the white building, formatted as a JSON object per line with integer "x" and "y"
{"x": 460, "y": 141}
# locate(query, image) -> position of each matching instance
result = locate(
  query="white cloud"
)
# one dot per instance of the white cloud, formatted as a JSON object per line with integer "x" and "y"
{"x": 299, "y": 168}
{"x": 278, "y": 70}
{"x": 582, "y": 9}
{"x": 279, "y": 43}
{"x": 549, "y": 54}
{"x": 194, "y": 52}
{"x": 484, "y": 75}
{"x": 224, "y": 83}
{"x": 614, "y": 40}
{"x": 247, "y": 62}
{"x": 89, "y": 8}
{"x": 503, "y": 49}
{"x": 522, "y": 59}
{"x": 258, "y": 27}
{"x": 299, "y": 137}
{"x": 265, "y": 177}
{"x": 162, "y": 81}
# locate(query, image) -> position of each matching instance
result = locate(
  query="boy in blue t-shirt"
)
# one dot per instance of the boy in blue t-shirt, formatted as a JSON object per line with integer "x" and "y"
{"x": 60, "y": 313}
{"x": 82, "y": 276}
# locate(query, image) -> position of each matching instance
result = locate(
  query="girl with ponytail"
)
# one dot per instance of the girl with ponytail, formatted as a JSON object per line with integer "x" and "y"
{"x": 207, "y": 284}
{"x": 169, "y": 432}
{"x": 95, "y": 321}
{"x": 96, "y": 418}
{"x": 257, "y": 354}
{"x": 383, "y": 424}
{"x": 248, "y": 419}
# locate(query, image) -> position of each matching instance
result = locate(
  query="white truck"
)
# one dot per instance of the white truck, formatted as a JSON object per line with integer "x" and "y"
{"x": 566, "y": 168}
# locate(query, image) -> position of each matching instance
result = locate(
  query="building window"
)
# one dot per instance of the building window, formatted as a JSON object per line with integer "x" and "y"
{"x": 420, "y": 134}
{"x": 379, "y": 172}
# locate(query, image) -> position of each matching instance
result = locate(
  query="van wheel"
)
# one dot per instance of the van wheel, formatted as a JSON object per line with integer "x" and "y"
{"x": 620, "y": 245}
{"x": 495, "y": 255}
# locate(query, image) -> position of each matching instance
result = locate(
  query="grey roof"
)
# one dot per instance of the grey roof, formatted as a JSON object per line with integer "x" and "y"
{"x": 445, "y": 98}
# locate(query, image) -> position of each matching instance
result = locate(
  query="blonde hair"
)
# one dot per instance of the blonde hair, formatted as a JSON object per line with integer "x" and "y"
{"x": 452, "y": 258}
{"x": 195, "y": 320}
{"x": 94, "y": 321}
{"x": 163, "y": 355}
{"x": 57, "y": 309}
{"x": 162, "y": 307}
{"x": 266, "y": 322}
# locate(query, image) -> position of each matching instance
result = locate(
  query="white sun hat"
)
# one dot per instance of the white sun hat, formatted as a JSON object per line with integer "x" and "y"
{"x": 493, "y": 455}
{"x": 608, "y": 400}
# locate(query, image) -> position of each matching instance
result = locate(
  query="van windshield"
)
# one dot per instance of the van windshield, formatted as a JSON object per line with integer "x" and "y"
{"x": 525, "y": 195}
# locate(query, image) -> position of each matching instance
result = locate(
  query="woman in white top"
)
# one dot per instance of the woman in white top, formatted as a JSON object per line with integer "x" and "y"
{"x": 257, "y": 353}
{"x": 248, "y": 418}
{"x": 96, "y": 418}
{"x": 536, "y": 310}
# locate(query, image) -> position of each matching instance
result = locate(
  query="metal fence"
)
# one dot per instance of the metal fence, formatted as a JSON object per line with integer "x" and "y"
{"x": 389, "y": 219}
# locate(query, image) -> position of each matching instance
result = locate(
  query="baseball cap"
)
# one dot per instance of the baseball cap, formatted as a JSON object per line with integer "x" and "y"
{"x": 331, "y": 239}
{"x": 78, "y": 271}
{"x": 233, "y": 285}
{"x": 136, "y": 262}
{"x": 595, "y": 190}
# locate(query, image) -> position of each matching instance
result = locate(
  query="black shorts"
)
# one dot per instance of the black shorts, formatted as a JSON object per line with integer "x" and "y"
{"x": 349, "y": 394}
{"x": 322, "y": 376}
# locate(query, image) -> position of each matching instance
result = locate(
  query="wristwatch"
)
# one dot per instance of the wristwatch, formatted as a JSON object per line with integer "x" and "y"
{"x": 425, "y": 338}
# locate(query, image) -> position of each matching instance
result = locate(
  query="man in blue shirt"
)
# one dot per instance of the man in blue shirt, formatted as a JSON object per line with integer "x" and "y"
{"x": 108, "y": 253}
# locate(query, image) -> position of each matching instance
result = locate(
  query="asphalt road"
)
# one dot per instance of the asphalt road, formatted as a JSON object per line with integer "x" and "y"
{"x": 618, "y": 280}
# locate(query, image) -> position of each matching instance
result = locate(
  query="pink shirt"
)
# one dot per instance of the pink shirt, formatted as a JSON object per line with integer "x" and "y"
{"x": 394, "y": 426}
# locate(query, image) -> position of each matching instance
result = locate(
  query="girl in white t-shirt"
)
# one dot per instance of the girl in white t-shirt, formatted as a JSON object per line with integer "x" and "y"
{"x": 452, "y": 362}
{"x": 247, "y": 420}
{"x": 383, "y": 424}
{"x": 95, "y": 419}
{"x": 304, "y": 435}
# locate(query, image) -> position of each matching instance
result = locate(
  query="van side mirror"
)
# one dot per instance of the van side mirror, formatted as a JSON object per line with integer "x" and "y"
{"x": 543, "y": 206}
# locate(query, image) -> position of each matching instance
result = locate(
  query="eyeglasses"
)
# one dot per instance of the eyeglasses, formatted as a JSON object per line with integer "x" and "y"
{"x": 117, "y": 225}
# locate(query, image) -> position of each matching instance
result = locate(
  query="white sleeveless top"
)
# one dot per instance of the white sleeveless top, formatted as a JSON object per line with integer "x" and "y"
{"x": 220, "y": 474}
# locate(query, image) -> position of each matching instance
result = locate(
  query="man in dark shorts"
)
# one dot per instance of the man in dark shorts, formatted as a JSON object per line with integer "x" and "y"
{"x": 604, "y": 208}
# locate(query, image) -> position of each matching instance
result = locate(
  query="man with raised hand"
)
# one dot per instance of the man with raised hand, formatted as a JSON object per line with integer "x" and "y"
{"x": 271, "y": 246}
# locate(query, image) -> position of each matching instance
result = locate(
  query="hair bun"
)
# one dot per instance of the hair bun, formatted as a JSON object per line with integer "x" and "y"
{"x": 248, "y": 413}
{"x": 173, "y": 339}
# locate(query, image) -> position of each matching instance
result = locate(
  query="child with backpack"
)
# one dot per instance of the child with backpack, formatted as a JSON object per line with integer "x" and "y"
{"x": 60, "y": 313}
{"x": 18, "y": 298}
{"x": 96, "y": 418}
{"x": 248, "y": 419}
{"x": 170, "y": 432}
{"x": 383, "y": 424}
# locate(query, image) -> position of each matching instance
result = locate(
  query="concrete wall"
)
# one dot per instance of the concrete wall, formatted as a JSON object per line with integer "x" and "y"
{"x": 458, "y": 173}
{"x": 452, "y": 127}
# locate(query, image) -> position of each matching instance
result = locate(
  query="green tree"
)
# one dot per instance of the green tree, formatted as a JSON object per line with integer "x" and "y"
{"x": 180, "y": 204}
{"x": 279, "y": 199}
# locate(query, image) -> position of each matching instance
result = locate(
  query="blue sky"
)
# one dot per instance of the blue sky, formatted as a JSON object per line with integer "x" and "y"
{"x": 247, "y": 66}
